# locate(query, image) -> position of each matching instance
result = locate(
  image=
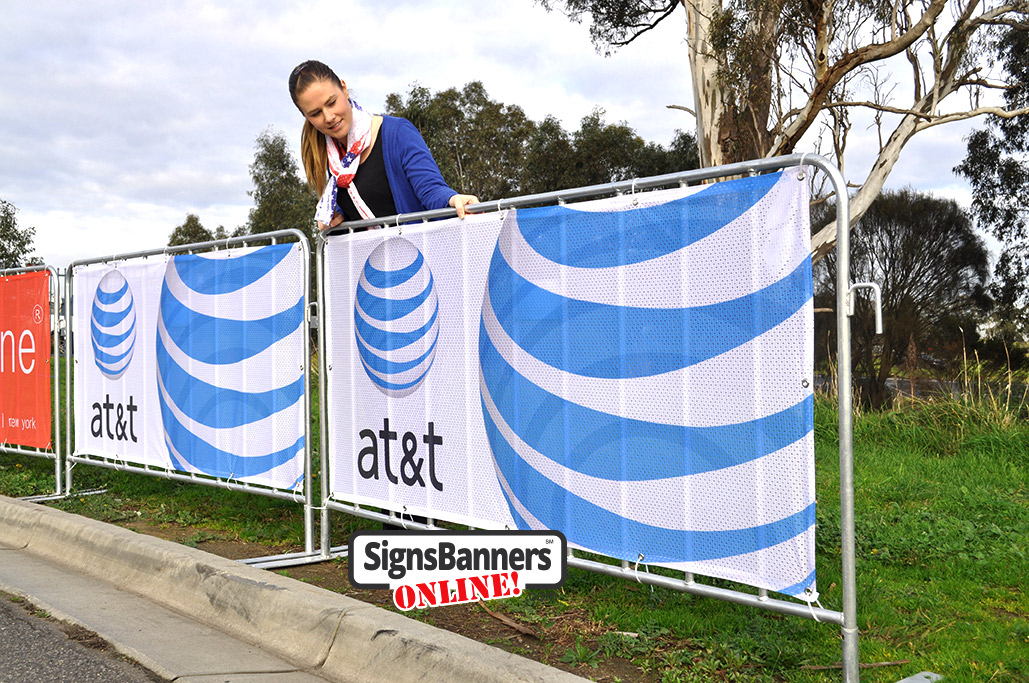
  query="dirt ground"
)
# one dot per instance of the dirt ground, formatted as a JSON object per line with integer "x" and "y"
{"x": 481, "y": 622}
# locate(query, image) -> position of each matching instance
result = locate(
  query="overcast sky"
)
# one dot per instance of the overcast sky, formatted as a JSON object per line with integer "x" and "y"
{"x": 119, "y": 118}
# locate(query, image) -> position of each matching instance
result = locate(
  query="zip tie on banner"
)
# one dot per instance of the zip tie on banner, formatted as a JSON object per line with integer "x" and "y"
{"x": 801, "y": 175}
{"x": 635, "y": 199}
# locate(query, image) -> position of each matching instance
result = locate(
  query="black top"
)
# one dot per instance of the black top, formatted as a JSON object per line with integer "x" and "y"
{"x": 372, "y": 183}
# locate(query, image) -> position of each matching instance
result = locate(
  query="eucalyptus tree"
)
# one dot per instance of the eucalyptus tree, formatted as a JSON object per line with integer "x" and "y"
{"x": 549, "y": 159}
{"x": 767, "y": 74}
{"x": 494, "y": 150}
{"x": 996, "y": 166}
{"x": 191, "y": 231}
{"x": 16, "y": 244}
{"x": 479, "y": 144}
{"x": 281, "y": 199}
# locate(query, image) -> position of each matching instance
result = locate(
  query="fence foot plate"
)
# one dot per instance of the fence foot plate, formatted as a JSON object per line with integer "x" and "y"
{"x": 61, "y": 496}
{"x": 295, "y": 559}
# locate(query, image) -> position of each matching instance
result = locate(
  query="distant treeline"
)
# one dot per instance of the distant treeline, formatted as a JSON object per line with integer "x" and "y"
{"x": 483, "y": 147}
{"x": 493, "y": 150}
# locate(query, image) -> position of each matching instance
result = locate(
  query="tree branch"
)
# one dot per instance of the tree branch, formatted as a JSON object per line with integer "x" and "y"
{"x": 683, "y": 108}
{"x": 999, "y": 16}
{"x": 649, "y": 27}
{"x": 880, "y": 107}
{"x": 983, "y": 83}
{"x": 947, "y": 57}
{"x": 999, "y": 112}
{"x": 1007, "y": 21}
{"x": 822, "y": 242}
{"x": 846, "y": 64}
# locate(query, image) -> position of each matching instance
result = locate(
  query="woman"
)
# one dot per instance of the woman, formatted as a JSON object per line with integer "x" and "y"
{"x": 381, "y": 163}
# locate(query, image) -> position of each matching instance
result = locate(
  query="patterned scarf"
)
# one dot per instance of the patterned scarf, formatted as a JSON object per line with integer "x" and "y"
{"x": 343, "y": 169}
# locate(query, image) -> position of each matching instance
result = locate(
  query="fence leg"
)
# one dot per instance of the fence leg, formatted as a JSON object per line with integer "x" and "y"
{"x": 850, "y": 659}
{"x": 851, "y": 668}
{"x": 326, "y": 541}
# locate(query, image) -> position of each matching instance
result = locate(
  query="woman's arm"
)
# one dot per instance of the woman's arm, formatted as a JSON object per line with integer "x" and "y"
{"x": 423, "y": 174}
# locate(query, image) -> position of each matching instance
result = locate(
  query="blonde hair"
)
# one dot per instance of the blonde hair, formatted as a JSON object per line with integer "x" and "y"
{"x": 312, "y": 143}
{"x": 314, "y": 157}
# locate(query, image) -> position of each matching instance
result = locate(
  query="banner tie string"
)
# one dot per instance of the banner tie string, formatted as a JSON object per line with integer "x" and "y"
{"x": 810, "y": 606}
{"x": 636, "y": 568}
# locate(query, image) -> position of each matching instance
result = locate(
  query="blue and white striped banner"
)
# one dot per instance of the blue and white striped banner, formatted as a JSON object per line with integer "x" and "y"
{"x": 634, "y": 372}
{"x": 213, "y": 382}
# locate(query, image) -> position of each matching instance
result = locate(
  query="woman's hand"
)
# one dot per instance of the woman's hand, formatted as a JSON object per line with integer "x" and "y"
{"x": 337, "y": 218}
{"x": 459, "y": 201}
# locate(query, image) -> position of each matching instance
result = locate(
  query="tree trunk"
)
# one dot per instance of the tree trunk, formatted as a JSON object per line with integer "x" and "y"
{"x": 732, "y": 120}
{"x": 707, "y": 93}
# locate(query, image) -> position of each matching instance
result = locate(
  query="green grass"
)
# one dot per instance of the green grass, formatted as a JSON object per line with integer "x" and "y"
{"x": 942, "y": 517}
{"x": 942, "y": 521}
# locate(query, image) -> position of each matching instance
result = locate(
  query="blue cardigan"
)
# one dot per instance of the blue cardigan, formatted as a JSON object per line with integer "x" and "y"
{"x": 414, "y": 178}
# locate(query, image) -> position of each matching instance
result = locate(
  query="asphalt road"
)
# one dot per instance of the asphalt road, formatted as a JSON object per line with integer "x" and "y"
{"x": 35, "y": 650}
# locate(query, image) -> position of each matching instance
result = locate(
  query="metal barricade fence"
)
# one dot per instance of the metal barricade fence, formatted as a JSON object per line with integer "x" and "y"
{"x": 846, "y": 618}
{"x": 207, "y": 420}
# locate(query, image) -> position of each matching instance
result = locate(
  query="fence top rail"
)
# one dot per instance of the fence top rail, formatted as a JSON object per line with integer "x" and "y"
{"x": 241, "y": 240}
{"x": 27, "y": 269}
{"x": 622, "y": 186}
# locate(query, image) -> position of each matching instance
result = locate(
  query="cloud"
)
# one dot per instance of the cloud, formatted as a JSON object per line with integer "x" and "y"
{"x": 121, "y": 118}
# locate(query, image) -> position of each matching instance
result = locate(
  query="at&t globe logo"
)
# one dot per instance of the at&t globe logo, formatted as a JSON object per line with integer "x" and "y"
{"x": 396, "y": 317}
{"x": 112, "y": 325}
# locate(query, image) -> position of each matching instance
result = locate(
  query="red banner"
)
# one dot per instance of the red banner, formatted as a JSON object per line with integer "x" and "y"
{"x": 25, "y": 406}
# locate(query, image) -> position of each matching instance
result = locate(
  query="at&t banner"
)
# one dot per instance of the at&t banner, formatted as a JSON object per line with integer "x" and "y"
{"x": 25, "y": 359}
{"x": 195, "y": 363}
{"x": 634, "y": 372}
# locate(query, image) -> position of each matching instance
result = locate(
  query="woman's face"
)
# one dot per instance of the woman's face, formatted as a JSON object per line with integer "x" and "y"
{"x": 326, "y": 106}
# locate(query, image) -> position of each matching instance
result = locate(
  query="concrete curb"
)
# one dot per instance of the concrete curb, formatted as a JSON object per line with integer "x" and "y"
{"x": 317, "y": 630}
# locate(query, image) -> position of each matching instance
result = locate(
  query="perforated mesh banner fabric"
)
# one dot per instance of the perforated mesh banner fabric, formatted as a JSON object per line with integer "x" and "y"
{"x": 195, "y": 363}
{"x": 634, "y": 372}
